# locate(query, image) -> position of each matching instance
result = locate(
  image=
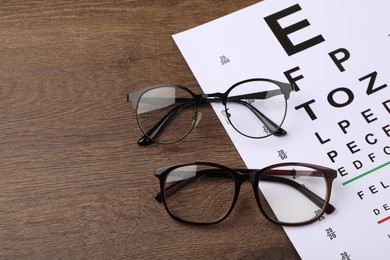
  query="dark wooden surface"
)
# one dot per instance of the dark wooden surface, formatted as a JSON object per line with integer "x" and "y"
{"x": 74, "y": 183}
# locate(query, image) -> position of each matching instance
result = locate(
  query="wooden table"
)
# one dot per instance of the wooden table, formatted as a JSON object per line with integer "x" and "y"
{"x": 74, "y": 183}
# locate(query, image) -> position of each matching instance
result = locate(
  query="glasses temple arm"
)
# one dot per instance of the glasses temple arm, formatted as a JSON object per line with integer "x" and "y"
{"x": 175, "y": 187}
{"x": 302, "y": 189}
{"x": 179, "y": 184}
{"x": 146, "y": 139}
{"x": 269, "y": 124}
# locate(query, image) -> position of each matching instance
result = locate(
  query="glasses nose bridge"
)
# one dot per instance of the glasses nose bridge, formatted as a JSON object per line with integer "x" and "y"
{"x": 213, "y": 97}
{"x": 246, "y": 175}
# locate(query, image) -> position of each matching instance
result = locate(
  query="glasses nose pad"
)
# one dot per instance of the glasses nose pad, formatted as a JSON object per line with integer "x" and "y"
{"x": 226, "y": 115}
{"x": 198, "y": 118}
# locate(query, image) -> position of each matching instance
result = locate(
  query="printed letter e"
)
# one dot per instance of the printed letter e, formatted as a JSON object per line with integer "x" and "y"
{"x": 282, "y": 33}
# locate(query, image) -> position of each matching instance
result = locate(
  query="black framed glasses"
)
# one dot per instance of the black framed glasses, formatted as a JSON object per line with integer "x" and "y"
{"x": 167, "y": 113}
{"x": 289, "y": 194}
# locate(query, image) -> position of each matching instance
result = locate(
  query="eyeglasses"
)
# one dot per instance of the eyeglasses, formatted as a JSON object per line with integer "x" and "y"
{"x": 288, "y": 194}
{"x": 256, "y": 108}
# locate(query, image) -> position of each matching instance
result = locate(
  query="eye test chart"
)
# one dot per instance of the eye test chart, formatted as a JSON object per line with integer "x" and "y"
{"x": 337, "y": 53}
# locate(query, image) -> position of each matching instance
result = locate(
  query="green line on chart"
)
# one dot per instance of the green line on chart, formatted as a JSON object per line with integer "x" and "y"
{"x": 366, "y": 173}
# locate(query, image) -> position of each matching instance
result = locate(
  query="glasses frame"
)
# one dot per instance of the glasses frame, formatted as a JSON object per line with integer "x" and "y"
{"x": 200, "y": 99}
{"x": 253, "y": 176}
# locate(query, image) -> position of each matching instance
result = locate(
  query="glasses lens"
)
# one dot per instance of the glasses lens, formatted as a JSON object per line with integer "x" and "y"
{"x": 166, "y": 114}
{"x": 292, "y": 194}
{"x": 199, "y": 193}
{"x": 256, "y": 108}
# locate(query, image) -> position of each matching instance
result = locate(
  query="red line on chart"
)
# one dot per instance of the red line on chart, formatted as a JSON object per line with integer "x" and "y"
{"x": 383, "y": 220}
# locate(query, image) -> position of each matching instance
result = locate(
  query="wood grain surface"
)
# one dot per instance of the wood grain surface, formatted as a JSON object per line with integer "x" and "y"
{"x": 74, "y": 183}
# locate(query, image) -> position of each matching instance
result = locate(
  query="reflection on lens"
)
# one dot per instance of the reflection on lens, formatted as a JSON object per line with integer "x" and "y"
{"x": 166, "y": 114}
{"x": 292, "y": 194}
{"x": 199, "y": 193}
{"x": 257, "y": 108}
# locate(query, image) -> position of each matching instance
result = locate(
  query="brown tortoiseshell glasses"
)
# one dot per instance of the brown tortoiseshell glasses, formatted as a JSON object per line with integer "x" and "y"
{"x": 288, "y": 194}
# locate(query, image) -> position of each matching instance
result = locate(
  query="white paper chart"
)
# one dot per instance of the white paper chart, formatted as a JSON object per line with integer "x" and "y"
{"x": 338, "y": 55}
